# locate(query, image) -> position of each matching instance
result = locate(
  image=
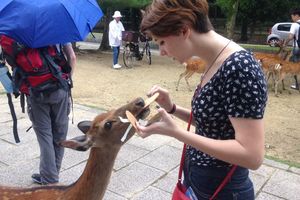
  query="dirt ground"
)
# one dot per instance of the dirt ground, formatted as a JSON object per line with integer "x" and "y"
{"x": 97, "y": 84}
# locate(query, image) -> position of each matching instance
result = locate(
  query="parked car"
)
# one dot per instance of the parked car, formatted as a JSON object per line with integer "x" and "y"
{"x": 279, "y": 31}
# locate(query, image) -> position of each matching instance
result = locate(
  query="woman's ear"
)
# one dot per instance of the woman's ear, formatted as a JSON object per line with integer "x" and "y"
{"x": 186, "y": 31}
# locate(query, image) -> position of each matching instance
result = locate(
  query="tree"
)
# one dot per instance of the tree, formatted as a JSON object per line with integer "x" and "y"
{"x": 250, "y": 12}
{"x": 263, "y": 12}
{"x": 230, "y": 8}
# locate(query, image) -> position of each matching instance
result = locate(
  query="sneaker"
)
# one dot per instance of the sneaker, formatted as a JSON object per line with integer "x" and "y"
{"x": 117, "y": 66}
{"x": 294, "y": 87}
{"x": 36, "y": 178}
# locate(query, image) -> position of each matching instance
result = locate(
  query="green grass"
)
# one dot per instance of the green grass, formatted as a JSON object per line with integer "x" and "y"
{"x": 289, "y": 163}
{"x": 259, "y": 47}
{"x": 262, "y": 48}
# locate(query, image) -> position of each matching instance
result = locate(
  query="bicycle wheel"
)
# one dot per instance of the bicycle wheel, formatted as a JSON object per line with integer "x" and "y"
{"x": 148, "y": 53}
{"x": 128, "y": 56}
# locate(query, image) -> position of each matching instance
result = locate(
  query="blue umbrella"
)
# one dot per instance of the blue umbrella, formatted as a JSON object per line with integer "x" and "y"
{"x": 38, "y": 23}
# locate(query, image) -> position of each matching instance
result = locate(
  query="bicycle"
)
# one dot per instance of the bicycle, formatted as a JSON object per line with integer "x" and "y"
{"x": 132, "y": 52}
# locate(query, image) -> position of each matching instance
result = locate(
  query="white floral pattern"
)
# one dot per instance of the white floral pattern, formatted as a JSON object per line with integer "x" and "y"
{"x": 238, "y": 89}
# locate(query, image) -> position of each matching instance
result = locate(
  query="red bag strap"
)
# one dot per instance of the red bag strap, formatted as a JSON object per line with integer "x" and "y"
{"x": 225, "y": 180}
{"x": 183, "y": 150}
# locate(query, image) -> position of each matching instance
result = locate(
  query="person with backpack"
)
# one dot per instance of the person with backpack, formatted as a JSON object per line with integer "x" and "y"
{"x": 295, "y": 35}
{"x": 43, "y": 75}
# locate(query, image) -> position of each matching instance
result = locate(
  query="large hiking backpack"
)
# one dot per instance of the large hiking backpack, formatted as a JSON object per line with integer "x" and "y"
{"x": 35, "y": 71}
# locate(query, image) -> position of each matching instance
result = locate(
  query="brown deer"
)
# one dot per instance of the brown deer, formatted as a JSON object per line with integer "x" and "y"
{"x": 270, "y": 62}
{"x": 193, "y": 65}
{"x": 286, "y": 68}
{"x": 268, "y": 67}
{"x": 105, "y": 137}
{"x": 278, "y": 66}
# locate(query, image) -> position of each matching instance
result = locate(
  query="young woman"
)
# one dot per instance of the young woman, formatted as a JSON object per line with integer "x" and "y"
{"x": 228, "y": 105}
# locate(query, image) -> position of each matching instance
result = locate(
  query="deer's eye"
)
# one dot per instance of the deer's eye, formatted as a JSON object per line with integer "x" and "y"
{"x": 107, "y": 125}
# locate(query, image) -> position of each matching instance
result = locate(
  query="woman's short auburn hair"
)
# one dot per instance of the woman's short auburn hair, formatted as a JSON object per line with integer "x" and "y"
{"x": 168, "y": 17}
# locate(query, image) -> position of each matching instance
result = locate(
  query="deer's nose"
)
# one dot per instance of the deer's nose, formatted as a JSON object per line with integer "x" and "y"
{"x": 140, "y": 102}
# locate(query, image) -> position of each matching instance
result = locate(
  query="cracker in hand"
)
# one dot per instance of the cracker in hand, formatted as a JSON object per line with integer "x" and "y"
{"x": 151, "y": 99}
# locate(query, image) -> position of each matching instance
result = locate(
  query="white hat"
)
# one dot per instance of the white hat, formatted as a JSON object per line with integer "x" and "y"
{"x": 117, "y": 14}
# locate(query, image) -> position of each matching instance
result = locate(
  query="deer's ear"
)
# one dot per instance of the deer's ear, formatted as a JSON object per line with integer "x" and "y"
{"x": 84, "y": 126}
{"x": 80, "y": 143}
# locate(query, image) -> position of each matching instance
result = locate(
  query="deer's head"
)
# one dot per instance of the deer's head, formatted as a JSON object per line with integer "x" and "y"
{"x": 108, "y": 129}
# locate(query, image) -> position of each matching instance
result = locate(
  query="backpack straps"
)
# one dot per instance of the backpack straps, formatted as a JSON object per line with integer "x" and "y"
{"x": 13, "y": 114}
{"x": 57, "y": 73}
{"x": 55, "y": 70}
{"x": 68, "y": 69}
{"x": 22, "y": 102}
{"x": 9, "y": 101}
{"x": 2, "y": 59}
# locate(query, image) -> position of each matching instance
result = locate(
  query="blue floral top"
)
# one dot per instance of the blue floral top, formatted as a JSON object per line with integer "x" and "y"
{"x": 238, "y": 89}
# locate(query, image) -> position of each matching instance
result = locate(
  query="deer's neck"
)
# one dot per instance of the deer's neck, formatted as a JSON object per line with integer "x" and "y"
{"x": 95, "y": 178}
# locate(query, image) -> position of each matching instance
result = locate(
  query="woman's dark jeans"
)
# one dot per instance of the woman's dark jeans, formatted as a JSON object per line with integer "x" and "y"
{"x": 205, "y": 180}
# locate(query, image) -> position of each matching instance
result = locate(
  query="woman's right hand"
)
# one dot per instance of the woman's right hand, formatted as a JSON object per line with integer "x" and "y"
{"x": 163, "y": 99}
{"x": 165, "y": 126}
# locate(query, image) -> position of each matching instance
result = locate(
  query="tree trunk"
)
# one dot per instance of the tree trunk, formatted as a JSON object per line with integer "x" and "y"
{"x": 252, "y": 30}
{"x": 76, "y": 49}
{"x": 135, "y": 18}
{"x": 104, "y": 42}
{"x": 244, "y": 31}
{"x": 230, "y": 25}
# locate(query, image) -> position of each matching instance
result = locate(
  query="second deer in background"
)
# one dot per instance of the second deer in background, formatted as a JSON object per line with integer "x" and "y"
{"x": 193, "y": 65}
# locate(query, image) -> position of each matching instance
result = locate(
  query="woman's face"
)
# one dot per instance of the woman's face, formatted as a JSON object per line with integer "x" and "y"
{"x": 174, "y": 46}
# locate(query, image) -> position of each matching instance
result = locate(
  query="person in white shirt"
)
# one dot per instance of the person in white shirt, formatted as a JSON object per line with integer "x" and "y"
{"x": 294, "y": 35}
{"x": 115, "y": 37}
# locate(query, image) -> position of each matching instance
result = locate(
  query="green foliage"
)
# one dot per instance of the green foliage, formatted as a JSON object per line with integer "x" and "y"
{"x": 265, "y": 10}
{"x": 259, "y": 10}
{"x": 226, "y": 6}
{"x": 121, "y": 4}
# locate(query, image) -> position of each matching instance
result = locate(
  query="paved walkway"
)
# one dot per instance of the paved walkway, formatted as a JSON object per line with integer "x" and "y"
{"x": 145, "y": 169}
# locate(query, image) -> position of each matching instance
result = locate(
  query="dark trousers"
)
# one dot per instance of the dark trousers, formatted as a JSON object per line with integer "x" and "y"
{"x": 296, "y": 55}
{"x": 205, "y": 180}
{"x": 50, "y": 122}
{"x": 296, "y": 58}
{"x": 116, "y": 52}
